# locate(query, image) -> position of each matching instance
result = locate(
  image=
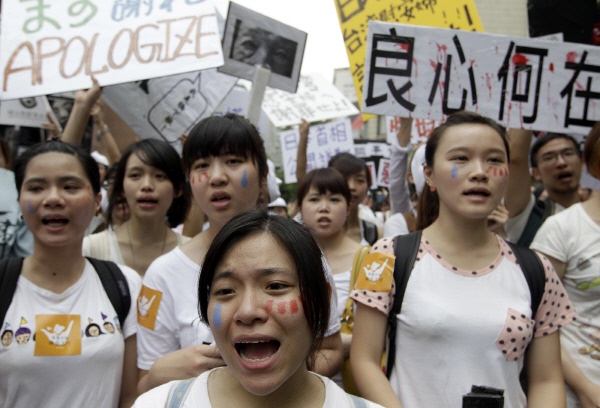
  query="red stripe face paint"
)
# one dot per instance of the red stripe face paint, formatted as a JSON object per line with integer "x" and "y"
{"x": 269, "y": 305}
{"x": 281, "y": 308}
{"x": 193, "y": 180}
{"x": 293, "y": 306}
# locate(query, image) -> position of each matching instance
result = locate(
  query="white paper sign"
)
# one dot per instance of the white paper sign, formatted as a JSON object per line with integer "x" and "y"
{"x": 165, "y": 108}
{"x": 419, "y": 133}
{"x": 55, "y": 46}
{"x": 32, "y": 112}
{"x": 383, "y": 173}
{"x": 429, "y": 73}
{"x": 315, "y": 100}
{"x": 324, "y": 141}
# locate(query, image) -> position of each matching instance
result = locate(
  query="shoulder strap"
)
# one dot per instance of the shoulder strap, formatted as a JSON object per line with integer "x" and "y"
{"x": 406, "y": 248}
{"x": 357, "y": 401}
{"x": 369, "y": 232}
{"x": 115, "y": 285}
{"x": 540, "y": 211}
{"x": 534, "y": 273}
{"x": 357, "y": 263}
{"x": 347, "y": 319}
{"x": 179, "y": 392}
{"x": 10, "y": 269}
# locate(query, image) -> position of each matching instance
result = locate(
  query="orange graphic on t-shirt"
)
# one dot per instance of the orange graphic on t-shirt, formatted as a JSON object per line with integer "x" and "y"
{"x": 376, "y": 273}
{"x": 147, "y": 307}
{"x": 57, "y": 335}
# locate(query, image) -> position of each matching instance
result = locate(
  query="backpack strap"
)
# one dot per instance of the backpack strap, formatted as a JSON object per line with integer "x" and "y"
{"x": 10, "y": 269}
{"x": 370, "y": 233}
{"x": 115, "y": 285}
{"x": 406, "y": 248}
{"x": 179, "y": 392}
{"x": 534, "y": 273}
{"x": 540, "y": 211}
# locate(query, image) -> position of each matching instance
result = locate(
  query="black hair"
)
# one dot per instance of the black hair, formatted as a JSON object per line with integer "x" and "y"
{"x": 428, "y": 206}
{"x": 350, "y": 165}
{"x": 89, "y": 326}
{"x": 548, "y": 137}
{"x": 161, "y": 155}
{"x": 223, "y": 135}
{"x": 301, "y": 247}
{"x": 324, "y": 180}
{"x": 89, "y": 165}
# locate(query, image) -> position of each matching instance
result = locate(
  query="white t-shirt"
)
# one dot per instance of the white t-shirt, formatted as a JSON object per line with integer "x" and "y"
{"x": 168, "y": 308}
{"x": 573, "y": 237}
{"x": 105, "y": 245}
{"x": 66, "y": 350}
{"x": 457, "y": 328}
{"x": 198, "y": 396}
{"x": 395, "y": 225}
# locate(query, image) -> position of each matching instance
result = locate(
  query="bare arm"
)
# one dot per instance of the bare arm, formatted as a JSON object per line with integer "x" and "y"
{"x": 302, "y": 147}
{"x": 180, "y": 365}
{"x": 194, "y": 221}
{"x": 130, "y": 374}
{"x": 104, "y": 137}
{"x": 368, "y": 343}
{"x": 518, "y": 189}
{"x": 546, "y": 383}
{"x": 399, "y": 192}
{"x": 84, "y": 101}
{"x": 330, "y": 356}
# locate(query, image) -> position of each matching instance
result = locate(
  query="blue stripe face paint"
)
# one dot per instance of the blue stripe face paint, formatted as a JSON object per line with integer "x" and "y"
{"x": 30, "y": 207}
{"x": 245, "y": 179}
{"x": 217, "y": 316}
{"x": 454, "y": 171}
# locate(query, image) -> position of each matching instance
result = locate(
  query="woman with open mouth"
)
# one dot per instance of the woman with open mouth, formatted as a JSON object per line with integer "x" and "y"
{"x": 226, "y": 164}
{"x": 150, "y": 178}
{"x": 264, "y": 293}
{"x": 59, "y": 295}
{"x": 467, "y": 312}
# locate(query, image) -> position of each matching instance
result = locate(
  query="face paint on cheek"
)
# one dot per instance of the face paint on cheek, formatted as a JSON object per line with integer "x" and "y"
{"x": 30, "y": 207}
{"x": 193, "y": 180}
{"x": 269, "y": 305}
{"x": 454, "y": 171}
{"x": 245, "y": 179}
{"x": 217, "y": 316}
{"x": 293, "y": 306}
{"x": 281, "y": 307}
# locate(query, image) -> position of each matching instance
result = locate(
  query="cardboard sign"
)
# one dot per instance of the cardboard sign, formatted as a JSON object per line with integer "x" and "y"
{"x": 324, "y": 141}
{"x": 420, "y": 129}
{"x": 32, "y": 112}
{"x": 430, "y": 73}
{"x": 165, "y": 108}
{"x": 316, "y": 100}
{"x": 354, "y": 16}
{"x": 55, "y": 46}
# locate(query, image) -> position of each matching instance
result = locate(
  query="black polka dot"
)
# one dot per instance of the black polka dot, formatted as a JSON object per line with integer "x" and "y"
{"x": 503, "y": 351}
{"x": 515, "y": 349}
{"x": 454, "y": 268}
{"x": 524, "y": 339}
{"x": 474, "y": 273}
{"x": 520, "y": 328}
{"x": 568, "y": 307}
{"x": 522, "y": 316}
{"x": 563, "y": 317}
{"x": 385, "y": 306}
{"x": 562, "y": 295}
{"x": 385, "y": 246}
{"x": 501, "y": 342}
{"x": 420, "y": 250}
{"x": 513, "y": 317}
{"x": 502, "y": 253}
{"x": 510, "y": 252}
{"x": 369, "y": 300}
{"x": 364, "y": 292}
{"x": 378, "y": 297}
{"x": 513, "y": 340}
{"x": 491, "y": 266}
{"x": 545, "y": 333}
{"x": 509, "y": 330}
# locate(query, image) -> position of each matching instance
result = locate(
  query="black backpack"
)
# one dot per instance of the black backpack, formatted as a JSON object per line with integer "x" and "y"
{"x": 540, "y": 211}
{"x": 406, "y": 248}
{"x": 112, "y": 279}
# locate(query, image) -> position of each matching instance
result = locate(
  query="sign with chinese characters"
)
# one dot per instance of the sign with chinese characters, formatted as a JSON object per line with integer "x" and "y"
{"x": 324, "y": 141}
{"x": 430, "y": 73}
{"x": 419, "y": 133}
{"x": 383, "y": 173}
{"x": 32, "y": 112}
{"x": 165, "y": 108}
{"x": 354, "y": 16}
{"x": 55, "y": 46}
{"x": 315, "y": 100}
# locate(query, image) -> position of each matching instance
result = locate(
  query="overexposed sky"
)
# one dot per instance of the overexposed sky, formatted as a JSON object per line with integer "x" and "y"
{"x": 325, "y": 49}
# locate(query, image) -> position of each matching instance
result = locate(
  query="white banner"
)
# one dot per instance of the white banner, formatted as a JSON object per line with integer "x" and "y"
{"x": 429, "y": 73}
{"x": 32, "y": 112}
{"x": 165, "y": 108}
{"x": 419, "y": 133}
{"x": 324, "y": 141}
{"x": 383, "y": 173}
{"x": 315, "y": 100}
{"x": 55, "y": 46}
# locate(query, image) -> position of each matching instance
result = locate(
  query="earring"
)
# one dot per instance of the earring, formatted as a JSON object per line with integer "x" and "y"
{"x": 432, "y": 188}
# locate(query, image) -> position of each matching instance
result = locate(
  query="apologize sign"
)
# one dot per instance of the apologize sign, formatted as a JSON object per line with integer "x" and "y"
{"x": 55, "y": 46}
{"x": 430, "y": 73}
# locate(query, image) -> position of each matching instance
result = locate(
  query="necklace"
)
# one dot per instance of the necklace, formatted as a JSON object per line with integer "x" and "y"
{"x": 135, "y": 264}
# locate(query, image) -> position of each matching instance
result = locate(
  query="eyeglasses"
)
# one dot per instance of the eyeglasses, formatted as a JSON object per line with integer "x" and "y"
{"x": 552, "y": 157}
